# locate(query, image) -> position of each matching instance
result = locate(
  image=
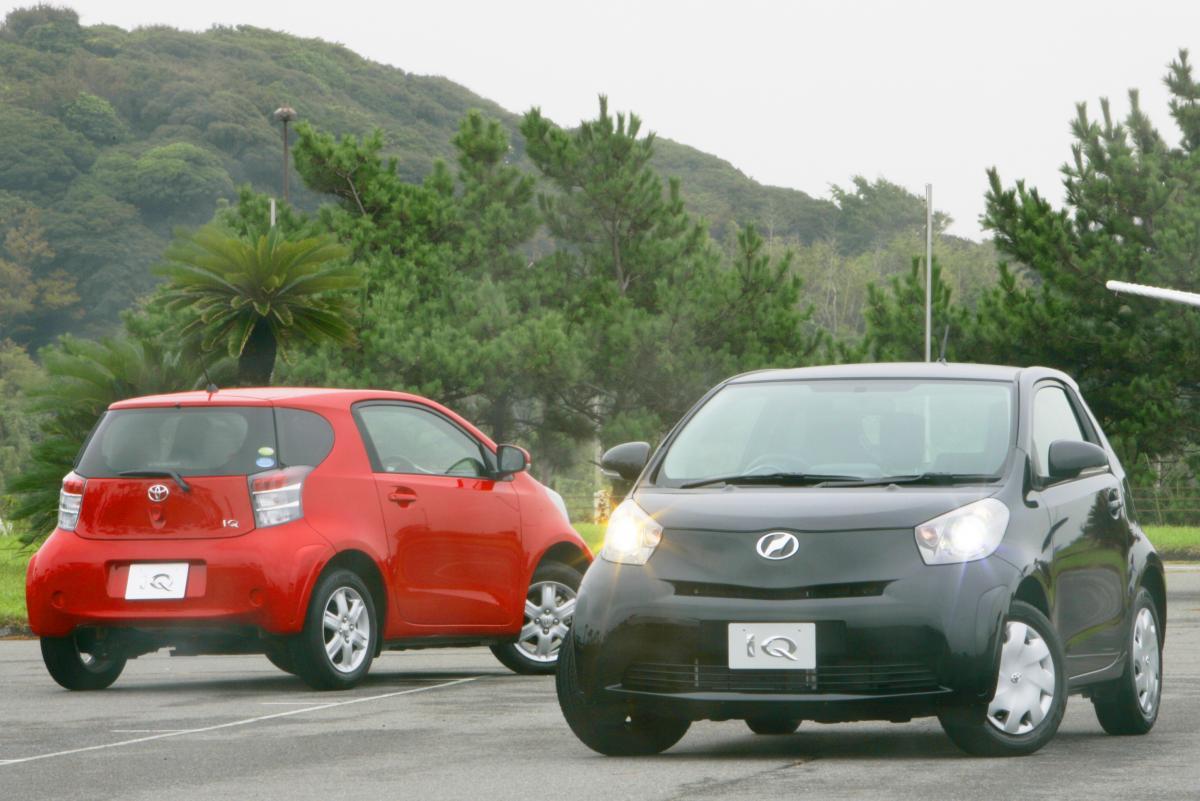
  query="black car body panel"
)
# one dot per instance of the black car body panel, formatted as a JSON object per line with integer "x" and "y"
{"x": 896, "y": 637}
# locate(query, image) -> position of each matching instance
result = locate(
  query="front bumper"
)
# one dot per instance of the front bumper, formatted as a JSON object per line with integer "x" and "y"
{"x": 257, "y": 581}
{"x": 889, "y": 649}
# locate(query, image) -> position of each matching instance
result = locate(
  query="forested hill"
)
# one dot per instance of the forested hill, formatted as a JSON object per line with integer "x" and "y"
{"x": 111, "y": 138}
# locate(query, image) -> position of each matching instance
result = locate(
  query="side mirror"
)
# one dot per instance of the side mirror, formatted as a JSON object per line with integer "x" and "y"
{"x": 1068, "y": 458}
{"x": 625, "y": 461}
{"x": 511, "y": 459}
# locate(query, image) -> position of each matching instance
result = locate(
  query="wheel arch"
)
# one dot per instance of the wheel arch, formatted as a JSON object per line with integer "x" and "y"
{"x": 1032, "y": 591}
{"x": 1155, "y": 581}
{"x": 365, "y": 568}
{"x": 567, "y": 553}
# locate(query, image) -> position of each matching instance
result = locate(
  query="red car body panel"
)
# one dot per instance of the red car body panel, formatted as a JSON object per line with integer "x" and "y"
{"x": 454, "y": 555}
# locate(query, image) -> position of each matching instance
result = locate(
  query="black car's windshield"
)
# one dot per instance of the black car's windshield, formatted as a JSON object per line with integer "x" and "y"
{"x": 845, "y": 433}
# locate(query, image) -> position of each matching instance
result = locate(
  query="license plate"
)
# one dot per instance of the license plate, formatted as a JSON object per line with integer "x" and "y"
{"x": 773, "y": 646}
{"x": 166, "y": 580}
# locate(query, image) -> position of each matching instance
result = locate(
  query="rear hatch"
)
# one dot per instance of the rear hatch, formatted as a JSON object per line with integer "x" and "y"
{"x": 179, "y": 472}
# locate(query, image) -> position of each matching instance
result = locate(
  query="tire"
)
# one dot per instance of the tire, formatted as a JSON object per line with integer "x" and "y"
{"x": 554, "y": 609}
{"x": 337, "y": 654}
{"x": 279, "y": 655}
{"x": 79, "y": 670}
{"x": 773, "y": 725}
{"x": 1023, "y": 717}
{"x": 1129, "y": 705}
{"x": 612, "y": 729}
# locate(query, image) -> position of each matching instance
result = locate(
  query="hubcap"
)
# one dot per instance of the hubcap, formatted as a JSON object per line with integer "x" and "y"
{"x": 1147, "y": 675}
{"x": 549, "y": 609}
{"x": 347, "y": 629}
{"x": 1025, "y": 685}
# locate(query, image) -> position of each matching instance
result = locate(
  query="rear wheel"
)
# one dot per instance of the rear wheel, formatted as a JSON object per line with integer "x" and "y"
{"x": 337, "y": 645}
{"x": 78, "y": 663}
{"x": 279, "y": 655}
{"x": 1129, "y": 705}
{"x": 612, "y": 729}
{"x": 549, "y": 610}
{"x": 1030, "y": 696}
{"x": 773, "y": 725}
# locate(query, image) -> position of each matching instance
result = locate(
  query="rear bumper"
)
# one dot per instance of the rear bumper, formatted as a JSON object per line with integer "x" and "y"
{"x": 919, "y": 643}
{"x": 257, "y": 581}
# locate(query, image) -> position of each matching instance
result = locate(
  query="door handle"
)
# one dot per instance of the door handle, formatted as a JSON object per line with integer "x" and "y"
{"x": 402, "y": 496}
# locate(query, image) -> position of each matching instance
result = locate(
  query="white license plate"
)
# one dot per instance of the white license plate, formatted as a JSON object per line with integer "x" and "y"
{"x": 148, "y": 582}
{"x": 773, "y": 646}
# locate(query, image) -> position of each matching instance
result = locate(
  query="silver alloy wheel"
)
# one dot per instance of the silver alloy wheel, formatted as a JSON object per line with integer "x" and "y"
{"x": 1147, "y": 676}
{"x": 347, "y": 629}
{"x": 1025, "y": 684}
{"x": 549, "y": 609}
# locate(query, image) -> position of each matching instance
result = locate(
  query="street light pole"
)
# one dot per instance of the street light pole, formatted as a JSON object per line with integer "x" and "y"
{"x": 285, "y": 114}
{"x": 928, "y": 271}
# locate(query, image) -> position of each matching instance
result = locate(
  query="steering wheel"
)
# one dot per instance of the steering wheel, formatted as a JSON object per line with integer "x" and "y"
{"x": 776, "y": 463}
{"x": 468, "y": 462}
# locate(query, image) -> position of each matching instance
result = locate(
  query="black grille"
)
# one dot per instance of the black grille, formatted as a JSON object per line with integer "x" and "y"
{"x": 862, "y": 589}
{"x": 863, "y": 679}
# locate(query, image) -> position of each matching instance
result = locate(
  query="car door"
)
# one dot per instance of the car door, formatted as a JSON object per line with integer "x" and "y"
{"x": 1090, "y": 537}
{"x": 454, "y": 532}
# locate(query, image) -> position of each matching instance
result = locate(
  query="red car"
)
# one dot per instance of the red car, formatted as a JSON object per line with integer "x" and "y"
{"x": 316, "y": 526}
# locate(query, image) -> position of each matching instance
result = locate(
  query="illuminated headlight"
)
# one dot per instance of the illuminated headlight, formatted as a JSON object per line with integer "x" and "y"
{"x": 632, "y": 535}
{"x": 964, "y": 535}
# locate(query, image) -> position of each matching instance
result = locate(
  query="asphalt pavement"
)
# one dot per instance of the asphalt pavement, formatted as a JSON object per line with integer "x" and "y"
{"x": 454, "y": 724}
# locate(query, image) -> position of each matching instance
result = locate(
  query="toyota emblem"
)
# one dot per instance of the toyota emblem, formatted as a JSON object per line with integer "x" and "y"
{"x": 777, "y": 545}
{"x": 158, "y": 493}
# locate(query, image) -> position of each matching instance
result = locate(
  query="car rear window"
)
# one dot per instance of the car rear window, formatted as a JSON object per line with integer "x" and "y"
{"x": 208, "y": 441}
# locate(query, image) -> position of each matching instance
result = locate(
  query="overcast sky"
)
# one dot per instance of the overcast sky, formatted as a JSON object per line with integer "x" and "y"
{"x": 799, "y": 94}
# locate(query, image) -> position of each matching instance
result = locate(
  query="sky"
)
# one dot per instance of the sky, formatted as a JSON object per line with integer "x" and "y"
{"x": 797, "y": 94}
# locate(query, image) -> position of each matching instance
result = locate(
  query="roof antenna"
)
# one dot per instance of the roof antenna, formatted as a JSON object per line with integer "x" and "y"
{"x": 945, "y": 337}
{"x": 212, "y": 387}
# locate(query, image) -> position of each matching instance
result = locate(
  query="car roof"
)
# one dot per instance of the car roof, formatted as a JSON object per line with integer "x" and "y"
{"x": 266, "y": 396}
{"x": 933, "y": 370}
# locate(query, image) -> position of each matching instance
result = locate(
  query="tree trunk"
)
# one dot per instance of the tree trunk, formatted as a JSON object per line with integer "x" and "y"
{"x": 257, "y": 361}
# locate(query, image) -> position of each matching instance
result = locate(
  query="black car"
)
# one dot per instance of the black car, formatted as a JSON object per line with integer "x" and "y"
{"x": 870, "y": 542}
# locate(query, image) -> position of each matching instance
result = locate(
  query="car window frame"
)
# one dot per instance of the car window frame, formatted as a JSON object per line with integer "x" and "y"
{"x": 487, "y": 457}
{"x": 1082, "y": 419}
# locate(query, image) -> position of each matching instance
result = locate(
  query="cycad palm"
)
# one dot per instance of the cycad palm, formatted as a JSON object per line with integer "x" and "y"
{"x": 256, "y": 297}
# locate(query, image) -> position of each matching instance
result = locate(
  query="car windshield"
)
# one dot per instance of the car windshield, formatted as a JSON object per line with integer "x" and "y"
{"x": 793, "y": 432}
{"x": 187, "y": 441}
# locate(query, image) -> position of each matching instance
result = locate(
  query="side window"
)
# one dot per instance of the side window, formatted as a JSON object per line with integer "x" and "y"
{"x": 406, "y": 439}
{"x": 304, "y": 437}
{"x": 1053, "y": 419}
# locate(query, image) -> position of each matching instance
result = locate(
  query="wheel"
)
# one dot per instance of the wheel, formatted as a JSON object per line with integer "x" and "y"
{"x": 77, "y": 663}
{"x": 279, "y": 655}
{"x": 1129, "y": 705}
{"x": 612, "y": 729}
{"x": 335, "y": 649}
{"x": 773, "y": 725}
{"x": 1030, "y": 696}
{"x": 549, "y": 609}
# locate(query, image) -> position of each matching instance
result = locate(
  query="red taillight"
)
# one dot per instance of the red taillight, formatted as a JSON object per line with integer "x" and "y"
{"x": 70, "y": 501}
{"x": 276, "y": 496}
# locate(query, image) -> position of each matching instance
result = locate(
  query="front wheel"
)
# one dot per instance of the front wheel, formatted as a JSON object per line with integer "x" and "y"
{"x": 79, "y": 663}
{"x": 1129, "y": 705}
{"x": 335, "y": 649}
{"x": 612, "y": 729}
{"x": 1030, "y": 696}
{"x": 773, "y": 725}
{"x": 549, "y": 611}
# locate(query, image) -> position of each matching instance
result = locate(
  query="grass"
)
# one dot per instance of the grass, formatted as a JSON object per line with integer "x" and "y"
{"x": 1178, "y": 543}
{"x": 12, "y": 585}
{"x": 592, "y": 533}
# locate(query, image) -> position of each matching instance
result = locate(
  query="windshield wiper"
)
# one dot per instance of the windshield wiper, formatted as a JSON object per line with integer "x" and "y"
{"x": 183, "y": 485}
{"x": 782, "y": 479}
{"x": 934, "y": 479}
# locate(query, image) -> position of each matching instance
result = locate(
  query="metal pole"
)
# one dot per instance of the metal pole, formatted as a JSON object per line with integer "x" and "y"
{"x": 285, "y": 161}
{"x": 1158, "y": 293}
{"x": 928, "y": 270}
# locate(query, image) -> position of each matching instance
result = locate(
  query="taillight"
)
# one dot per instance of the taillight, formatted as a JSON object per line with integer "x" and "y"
{"x": 276, "y": 496}
{"x": 70, "y": 501}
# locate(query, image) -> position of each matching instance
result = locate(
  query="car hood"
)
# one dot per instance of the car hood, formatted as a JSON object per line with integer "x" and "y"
{"x": 749, "y": 509}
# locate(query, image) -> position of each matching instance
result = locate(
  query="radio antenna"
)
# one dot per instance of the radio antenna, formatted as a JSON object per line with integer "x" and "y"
{"x": 212, "y": 387}
{"x": 945, "y": 338}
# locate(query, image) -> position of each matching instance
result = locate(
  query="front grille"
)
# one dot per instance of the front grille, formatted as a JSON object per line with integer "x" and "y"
{"x": 858, "y": 589}
{"x": 850, "y": 679}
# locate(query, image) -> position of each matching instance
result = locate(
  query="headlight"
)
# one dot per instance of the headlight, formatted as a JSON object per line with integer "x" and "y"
{"x": 964, "y": 535}
{"x": 632, "y": 535}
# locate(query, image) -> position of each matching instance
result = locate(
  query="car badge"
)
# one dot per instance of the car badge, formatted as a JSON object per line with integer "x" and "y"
{"x": 158, "y": 493}
{"x": 783, "y": 647}
{"x": 777, "y": 545}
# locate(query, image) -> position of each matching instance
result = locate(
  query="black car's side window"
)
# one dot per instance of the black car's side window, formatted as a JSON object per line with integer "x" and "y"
{"x": 1054, "y": 418}
{"x": 406, "y": 439}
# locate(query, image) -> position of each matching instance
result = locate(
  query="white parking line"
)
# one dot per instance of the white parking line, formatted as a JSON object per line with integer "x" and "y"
{"x": 233, "y": 723}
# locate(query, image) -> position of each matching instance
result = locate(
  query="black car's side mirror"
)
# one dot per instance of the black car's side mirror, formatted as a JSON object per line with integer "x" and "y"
{"x": 626, "y": 460}
{"x": 511, "y": 459}
{"x": 1068, "y": 458}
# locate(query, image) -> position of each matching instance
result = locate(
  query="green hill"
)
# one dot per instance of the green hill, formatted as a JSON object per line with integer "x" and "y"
{"x": 111, "y": 138}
